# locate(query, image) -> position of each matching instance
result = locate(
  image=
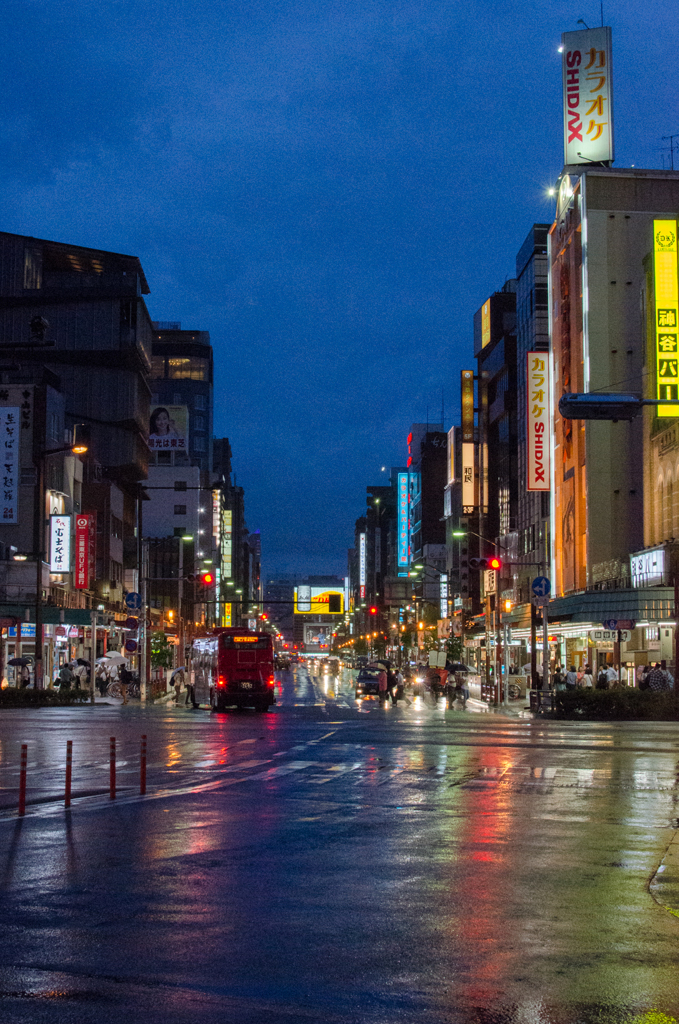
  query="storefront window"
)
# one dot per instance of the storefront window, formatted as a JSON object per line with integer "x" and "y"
{"x": 187, "y": 368}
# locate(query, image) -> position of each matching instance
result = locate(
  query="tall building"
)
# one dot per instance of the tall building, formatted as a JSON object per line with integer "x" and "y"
{"x": 76, "y": 323}
{"x": 179, "y": 487}
{"x": 495, "y": 351}
{"x": 532, "y": 547}
{"x": 613, "y": 282}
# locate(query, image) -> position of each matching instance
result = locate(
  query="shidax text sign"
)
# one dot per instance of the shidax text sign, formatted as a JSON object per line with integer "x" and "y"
{"x": 537, "y": 412}
{"x": 587, "y": 96}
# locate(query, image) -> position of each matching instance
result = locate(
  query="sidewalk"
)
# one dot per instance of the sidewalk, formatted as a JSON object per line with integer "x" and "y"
{"x": 517, "y": 709}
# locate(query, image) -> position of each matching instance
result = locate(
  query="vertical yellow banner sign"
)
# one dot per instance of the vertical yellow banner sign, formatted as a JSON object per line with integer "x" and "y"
{"x": 666, "y": 313}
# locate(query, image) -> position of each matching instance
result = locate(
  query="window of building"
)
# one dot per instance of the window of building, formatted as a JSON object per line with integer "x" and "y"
{"x": 116, "y": 527}
{"x": 200, "y": 403}
{"x": 199, "y": 423}
{"x": 199, "y": 444}
{"x": 180, "y": 531}
{"x": 187, "y": 368}
{"x": 176, "y": 399}
{"x": 158, "y": 367}
{"x": 33, "y": 268}
{"x": 180, "y": 510}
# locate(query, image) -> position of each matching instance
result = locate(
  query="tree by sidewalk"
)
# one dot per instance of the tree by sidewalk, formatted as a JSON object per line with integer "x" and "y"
{"x": 162, "y": 653}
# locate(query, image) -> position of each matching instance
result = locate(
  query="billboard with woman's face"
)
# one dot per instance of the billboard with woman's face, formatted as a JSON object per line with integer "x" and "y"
{"x": 169, "y": 428}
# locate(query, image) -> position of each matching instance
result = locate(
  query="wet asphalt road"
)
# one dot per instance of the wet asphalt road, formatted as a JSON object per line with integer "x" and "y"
{"x": 338, "y": 862}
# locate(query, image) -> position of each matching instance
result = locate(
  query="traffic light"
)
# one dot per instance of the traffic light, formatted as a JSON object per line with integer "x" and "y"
{"x": 373, "y": 611}
{"x": 492, "y": 562}
{"x": 207, "y": 578}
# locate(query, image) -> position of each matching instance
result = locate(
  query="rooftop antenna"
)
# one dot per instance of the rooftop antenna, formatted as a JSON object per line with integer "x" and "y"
{"x": 443, "y": 411}
{"x": 602, "y": 13}
{"x": 671, "y": 139}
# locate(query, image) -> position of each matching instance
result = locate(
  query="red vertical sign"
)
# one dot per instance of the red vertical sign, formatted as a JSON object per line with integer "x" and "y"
{"x": 82, "y": 552}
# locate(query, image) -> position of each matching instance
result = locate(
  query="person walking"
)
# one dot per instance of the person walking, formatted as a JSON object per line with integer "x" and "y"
{"x": 124, "y": 681}
{"x": 101, "y": 680}
{"x": 382, "y": 684}
{"x": 657, "y": 680}
{"x": 571, "y": 678}
{"x": 65, "y": 678}
{"x": 191, "y": 694}
{"x": 602, "y": 679}
{"x": 612, "y": 677}
{"x": 587, "y": 681}
{"x": 178, "y": 679}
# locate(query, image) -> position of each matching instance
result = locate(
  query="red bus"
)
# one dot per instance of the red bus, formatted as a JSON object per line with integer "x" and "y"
{"x": 237, "y": 666}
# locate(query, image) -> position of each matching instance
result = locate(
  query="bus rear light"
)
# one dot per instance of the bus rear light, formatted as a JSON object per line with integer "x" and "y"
{"x": 221, "y": 681}
{"x": 271, "y": 681}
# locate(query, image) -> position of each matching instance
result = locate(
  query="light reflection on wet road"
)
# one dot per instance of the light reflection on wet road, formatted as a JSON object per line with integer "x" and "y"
{"x": 337, "y": 862}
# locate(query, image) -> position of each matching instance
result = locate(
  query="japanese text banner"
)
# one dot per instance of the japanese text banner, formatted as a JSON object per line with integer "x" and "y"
{"x": 666, "y": 313}
{"x": 587, "y": 96}
{"x": 538, "y": 424}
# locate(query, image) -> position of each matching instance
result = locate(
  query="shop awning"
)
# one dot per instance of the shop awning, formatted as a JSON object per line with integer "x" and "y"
{"x": 649, "y": 604}
{"x": 51, "y": 616}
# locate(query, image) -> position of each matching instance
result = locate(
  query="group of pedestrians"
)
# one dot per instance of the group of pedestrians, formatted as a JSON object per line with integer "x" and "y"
{"x": 655, "y": 677}
{"x": 391, "y": 684}
{"x": 73, "y": 675}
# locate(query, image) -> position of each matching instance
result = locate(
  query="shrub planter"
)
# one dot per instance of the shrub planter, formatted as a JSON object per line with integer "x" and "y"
{"x": 12, "y": 697}
{"x": 621, "y": 704}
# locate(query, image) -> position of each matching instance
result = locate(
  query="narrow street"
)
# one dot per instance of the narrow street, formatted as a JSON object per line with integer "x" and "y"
{"x": 335, "y": 861}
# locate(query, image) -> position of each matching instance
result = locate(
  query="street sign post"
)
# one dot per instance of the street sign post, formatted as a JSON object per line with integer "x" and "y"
{"x": 542, "y": 588}
{"x": 619, "y": 623}
{"x": 133, "y": 601}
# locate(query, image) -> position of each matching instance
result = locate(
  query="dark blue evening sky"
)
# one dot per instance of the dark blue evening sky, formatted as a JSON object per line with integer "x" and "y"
{"x": 331, "y": 189}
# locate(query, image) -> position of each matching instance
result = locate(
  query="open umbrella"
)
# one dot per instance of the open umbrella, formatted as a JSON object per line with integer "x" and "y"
{"x": 83, "y": 661}
{"x": 182, "y": 668}
{"x": 112, "y": 659}
{"x": 19, "y": 661}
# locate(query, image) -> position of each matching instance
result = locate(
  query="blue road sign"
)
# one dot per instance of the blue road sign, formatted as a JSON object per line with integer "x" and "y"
{"x": 610, "y": 624}
{"x": 541, "y": 586}
{"x": 133, "y": 601}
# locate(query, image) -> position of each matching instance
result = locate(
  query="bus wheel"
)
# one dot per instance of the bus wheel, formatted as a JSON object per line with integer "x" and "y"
{"x": 262, "y": 706}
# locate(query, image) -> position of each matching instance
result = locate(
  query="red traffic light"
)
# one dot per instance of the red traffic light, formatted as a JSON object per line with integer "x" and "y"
{"x": 373, "y": 611}
{"x": 492, "y": 562}
{"x": 207, "y": 578}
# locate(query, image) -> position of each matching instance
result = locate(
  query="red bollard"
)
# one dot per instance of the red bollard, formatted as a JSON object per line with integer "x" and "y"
{"x": 112, "y": 767}
{"x": 142, "y": 767}
{"x": 69, "y": 770}
{"x": 22, "y": 778}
